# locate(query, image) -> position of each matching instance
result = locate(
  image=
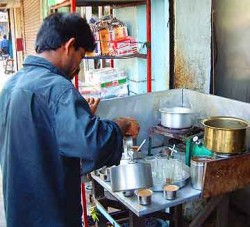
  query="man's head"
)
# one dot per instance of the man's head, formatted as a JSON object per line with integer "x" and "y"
{"x": 68, "y": 37}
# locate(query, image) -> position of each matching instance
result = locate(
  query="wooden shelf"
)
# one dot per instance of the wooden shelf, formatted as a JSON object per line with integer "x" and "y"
{"x": 118, "y": 57}
{"x": 226, "y": 174}
{"x": 67, "y": 3}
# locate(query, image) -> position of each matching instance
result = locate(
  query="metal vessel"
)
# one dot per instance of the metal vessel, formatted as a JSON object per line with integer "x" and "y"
{"x": 131, "y": 176}
{"x": 177, "y": 117}
{"x": 224, "y": 134}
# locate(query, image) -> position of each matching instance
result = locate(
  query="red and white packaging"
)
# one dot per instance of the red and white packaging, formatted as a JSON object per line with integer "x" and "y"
{"x": 124, "y": 46}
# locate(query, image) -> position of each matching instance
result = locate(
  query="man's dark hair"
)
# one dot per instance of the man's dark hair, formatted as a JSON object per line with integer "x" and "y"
{"x": 58, "y": 28}
{"x": 4, "y": 36}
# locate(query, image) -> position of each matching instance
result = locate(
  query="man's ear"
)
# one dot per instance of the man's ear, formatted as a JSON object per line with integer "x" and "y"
{"x": 69, "y": 44}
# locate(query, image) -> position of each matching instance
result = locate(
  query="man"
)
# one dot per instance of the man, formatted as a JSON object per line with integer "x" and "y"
{"x": 5, "y": 45}
{"x": 46, "y": 127}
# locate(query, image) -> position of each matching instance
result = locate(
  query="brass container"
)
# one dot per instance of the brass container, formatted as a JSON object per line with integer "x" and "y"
{"x": 225, "y": 135}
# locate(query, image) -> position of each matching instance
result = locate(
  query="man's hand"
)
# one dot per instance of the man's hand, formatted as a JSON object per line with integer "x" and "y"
{"x": 128, "y": 125}
{"x": 93, "y": 103}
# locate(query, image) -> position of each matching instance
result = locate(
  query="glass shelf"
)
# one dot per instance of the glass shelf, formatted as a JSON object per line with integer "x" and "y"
{"x": 117, "y": 57}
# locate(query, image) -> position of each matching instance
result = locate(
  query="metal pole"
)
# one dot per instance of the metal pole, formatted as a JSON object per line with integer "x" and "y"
{"x": 72, "y": 10}
{"x": 149, "y": 56}
{"x": 84, "y": 206}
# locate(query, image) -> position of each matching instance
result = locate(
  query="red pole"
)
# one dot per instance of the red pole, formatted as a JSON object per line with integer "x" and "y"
{"x": 112, "y": 65}
{"x": 84, "y": 202}
{"x": 149, "y": 56}
{"x": 76, "y": 82}
{"x": 72, "y": 10}
{"x": 84, "y": 206}
{"x": 73, "y": 6}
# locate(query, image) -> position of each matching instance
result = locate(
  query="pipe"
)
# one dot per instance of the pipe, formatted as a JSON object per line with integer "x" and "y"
{"x": 149, "y": 54}
{"x": 84, "y": 202}
{"x": 73, "y": 10}
{"x": 73, "y": 6}
{"x": 84, "y": 206}
{"x": 76, "y": 82}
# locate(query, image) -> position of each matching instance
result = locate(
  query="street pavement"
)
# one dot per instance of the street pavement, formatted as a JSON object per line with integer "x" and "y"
{"x": 3, "y": 78}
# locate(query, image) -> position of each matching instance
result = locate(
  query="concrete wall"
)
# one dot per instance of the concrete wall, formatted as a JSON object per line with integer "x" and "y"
{"x": 232, "y": 34}
{"x": 16, "y": 32}
{"x": 193, "y": 44}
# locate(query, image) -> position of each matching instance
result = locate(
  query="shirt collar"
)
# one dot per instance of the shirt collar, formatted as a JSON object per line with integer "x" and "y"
{"x": 32, "y": 60}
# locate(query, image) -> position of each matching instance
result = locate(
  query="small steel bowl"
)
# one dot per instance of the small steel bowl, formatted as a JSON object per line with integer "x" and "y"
{"x": 144, "y": 196}
{"x": 169, "y": 191}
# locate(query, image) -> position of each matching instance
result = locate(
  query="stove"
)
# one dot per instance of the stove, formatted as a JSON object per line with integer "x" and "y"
{"x": 181, "y": 139}
{"x": 180, "y": 134}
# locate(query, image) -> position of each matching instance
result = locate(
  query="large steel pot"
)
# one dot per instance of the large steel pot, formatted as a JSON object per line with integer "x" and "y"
{"x": 177, "y": 117}
{"x": 224, "y": 134}
{"x": 131, "y": 176}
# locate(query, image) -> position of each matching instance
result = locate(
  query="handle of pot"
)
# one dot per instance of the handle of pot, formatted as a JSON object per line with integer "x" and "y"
{"x": 201, "y": 121}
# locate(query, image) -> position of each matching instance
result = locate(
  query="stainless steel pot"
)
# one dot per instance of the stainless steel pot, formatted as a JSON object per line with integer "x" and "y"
{"x": 177, "y": 117}
{"x": 131, "y": 176}
{"x": 224, "y": 134}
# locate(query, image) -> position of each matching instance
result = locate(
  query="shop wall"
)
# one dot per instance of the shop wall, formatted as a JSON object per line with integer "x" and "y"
{"x": 192, "y": 45}
{"x": 231, "y": 45}
{"x": 135, "y": 18}
{"x": 32, "y": 21}
{"x": 16, "y": 22}
{"x": 160, "y": 45}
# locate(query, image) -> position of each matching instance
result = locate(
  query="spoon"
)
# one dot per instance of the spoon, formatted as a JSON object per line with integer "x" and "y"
{"x": 141, "y": 145}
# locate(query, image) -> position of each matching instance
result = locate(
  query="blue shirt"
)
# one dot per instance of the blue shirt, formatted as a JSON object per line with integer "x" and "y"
{"x": 4, "y": 43}
{"x": 46, "y": 127}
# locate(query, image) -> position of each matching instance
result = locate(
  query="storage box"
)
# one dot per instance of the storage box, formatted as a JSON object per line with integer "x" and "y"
{"x": 124, "y": 46}
{"x": 111, "y": 82}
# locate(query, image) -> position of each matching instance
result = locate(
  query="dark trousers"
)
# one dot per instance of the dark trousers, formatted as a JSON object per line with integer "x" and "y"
{"x": 5, "y": 50}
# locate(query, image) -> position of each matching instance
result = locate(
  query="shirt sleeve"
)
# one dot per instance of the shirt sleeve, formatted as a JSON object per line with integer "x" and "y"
{"x": 80, "y": 134}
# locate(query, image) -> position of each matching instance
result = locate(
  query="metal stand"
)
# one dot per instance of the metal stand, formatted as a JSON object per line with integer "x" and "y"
{"x": 4, "y": 58}
{"x": 116, "y": 213}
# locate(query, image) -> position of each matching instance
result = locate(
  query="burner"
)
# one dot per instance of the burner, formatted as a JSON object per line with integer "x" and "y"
{"x": 180, "y": 134}
{"x": 174, "y": 130}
